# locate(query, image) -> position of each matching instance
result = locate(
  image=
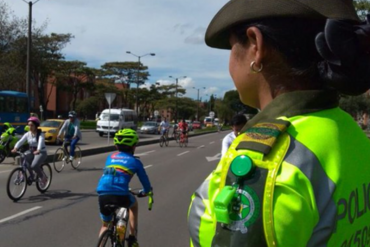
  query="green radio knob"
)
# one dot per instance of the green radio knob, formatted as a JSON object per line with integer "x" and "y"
{"x": 241, "y": 166}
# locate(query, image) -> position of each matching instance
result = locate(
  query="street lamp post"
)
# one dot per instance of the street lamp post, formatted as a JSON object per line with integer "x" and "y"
{"x": 29, "y": 45}
{"x": 137, "y": 76}
{"x": 198, "y": 101}
{"x": 177, "y": 81}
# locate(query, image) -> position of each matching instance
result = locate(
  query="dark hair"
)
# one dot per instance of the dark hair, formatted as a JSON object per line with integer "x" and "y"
{"x": 299, "y": 64}
{"x": 296, "y": 46}
{"x": 125, "y": 149}
{"x": 239, "y": 119}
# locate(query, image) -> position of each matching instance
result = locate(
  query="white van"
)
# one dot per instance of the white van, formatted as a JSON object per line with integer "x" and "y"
{"x": 119, "y": 119}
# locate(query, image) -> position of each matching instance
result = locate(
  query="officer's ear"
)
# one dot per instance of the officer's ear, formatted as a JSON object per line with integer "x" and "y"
{"x": 257, "y": 46}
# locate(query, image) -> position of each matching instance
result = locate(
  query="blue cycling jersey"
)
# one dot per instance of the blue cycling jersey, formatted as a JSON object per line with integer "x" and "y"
{"x": 119, "y": 168}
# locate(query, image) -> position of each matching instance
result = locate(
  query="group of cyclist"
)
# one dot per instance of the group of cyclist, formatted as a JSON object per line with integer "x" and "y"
{"x": 35, "y": 140}
{"x": 181, "y": 127}
{"x": 120, "y": 167}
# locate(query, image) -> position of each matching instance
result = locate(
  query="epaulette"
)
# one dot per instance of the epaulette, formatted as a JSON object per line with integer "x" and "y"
{"x": 262, "y": 136}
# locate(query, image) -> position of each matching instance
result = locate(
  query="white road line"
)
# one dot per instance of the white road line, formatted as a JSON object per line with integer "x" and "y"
{"x": 147, "y": 166}
{"x": 200, "y": 147}
{"x": 5, "y": 171}
{"x": 19, "y": 214}
{"x": 183, "y": 153}
{"x": 211, "y": 142}
{"x": 145, "y": 153}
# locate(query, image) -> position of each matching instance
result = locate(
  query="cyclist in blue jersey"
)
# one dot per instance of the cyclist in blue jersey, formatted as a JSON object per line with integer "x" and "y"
{"x": 113, "y": 186}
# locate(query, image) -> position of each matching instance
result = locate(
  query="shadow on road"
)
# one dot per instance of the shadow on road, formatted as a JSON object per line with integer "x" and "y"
{"x": 56, "y": 195}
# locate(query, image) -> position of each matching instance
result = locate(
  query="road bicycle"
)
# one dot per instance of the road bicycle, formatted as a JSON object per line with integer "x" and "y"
{"x": 24, "y": 176}
{"x": 61, "y": 157}
{"x": 176, "y": 135}
{"x": 110, "y": 236}
{"x": 183, "y": 139}
{"x": 163, "y": 140}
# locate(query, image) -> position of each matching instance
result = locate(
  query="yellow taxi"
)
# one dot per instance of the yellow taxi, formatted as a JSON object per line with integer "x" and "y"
{"x": 51, "y": 129}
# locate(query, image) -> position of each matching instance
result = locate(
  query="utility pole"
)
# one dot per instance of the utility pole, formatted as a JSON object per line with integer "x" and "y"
{"x": 137, "y": 77}
{"x": 176, "y": 109}
{"x": 29, "y": 46}
{"x": 198, "y": 101}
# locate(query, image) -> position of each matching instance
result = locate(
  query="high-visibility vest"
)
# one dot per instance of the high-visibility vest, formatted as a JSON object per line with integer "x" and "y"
{"x": 310, "y": 186}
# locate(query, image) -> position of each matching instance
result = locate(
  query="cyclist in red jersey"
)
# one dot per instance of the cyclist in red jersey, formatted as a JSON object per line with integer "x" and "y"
{"x": 183, "y": 127}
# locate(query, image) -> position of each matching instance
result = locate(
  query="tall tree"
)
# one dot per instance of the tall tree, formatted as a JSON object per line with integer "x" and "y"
{"x": 46, "y": 59}
{"x": 126, "y": 73}
{"x": 75, "y": 77}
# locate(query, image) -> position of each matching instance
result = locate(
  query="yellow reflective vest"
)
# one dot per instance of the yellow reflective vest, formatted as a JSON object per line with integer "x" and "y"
{"x": 308, "y": 185}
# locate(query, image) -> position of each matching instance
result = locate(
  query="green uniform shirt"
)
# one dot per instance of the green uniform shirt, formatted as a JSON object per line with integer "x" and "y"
{"x": 316, "y": 194}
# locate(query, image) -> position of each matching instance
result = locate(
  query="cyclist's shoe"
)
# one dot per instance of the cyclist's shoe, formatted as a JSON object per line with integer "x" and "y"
{"x": 65, "y": 158}
{"x": 132, "y": 241}
{"x": 71, "y": 158}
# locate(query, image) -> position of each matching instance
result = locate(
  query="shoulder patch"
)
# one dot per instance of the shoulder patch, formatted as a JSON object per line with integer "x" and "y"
{"x": 262, "y": 136}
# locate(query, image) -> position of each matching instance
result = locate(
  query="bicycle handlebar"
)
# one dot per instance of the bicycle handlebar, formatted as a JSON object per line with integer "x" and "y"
{"x": 149, "y": 195}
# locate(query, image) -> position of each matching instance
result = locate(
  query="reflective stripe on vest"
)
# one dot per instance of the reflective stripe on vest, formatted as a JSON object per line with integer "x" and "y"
{"x": 202, "y": 221}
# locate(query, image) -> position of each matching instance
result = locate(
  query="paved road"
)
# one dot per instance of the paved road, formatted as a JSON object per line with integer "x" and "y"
{"x": 67, "y": 215}
{"x": 90, "y": 140}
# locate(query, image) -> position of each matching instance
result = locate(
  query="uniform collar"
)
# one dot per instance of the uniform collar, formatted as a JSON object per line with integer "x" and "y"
{"x": 296, "y": 103}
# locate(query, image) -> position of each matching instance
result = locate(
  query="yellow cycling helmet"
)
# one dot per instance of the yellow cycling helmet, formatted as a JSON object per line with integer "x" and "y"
{"x": 126, "y": 137}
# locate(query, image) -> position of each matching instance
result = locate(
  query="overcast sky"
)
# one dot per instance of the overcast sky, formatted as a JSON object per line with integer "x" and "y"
{"x": 172, "y": 29}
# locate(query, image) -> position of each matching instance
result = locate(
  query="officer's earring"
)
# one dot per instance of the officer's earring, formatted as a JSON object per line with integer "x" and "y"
{"x": 254, "y": 70}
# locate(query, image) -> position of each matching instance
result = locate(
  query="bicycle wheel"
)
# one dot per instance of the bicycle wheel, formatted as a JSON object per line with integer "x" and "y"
{"x": 177, "y": 138}
{"x": 77, "y": 158}
{"x": 17, "y": 184}
{"x": 106, "y": 239}
{"x": 46, "y": 169}
{"x": 161, "y": 141}
{"x": 59, "y": 160}
{"x": 2, "y": 155}
{"x": 181, "y": 142}
{"x": 167, "y": 140}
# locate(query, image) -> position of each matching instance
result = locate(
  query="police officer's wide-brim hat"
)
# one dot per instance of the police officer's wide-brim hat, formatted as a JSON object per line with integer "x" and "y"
{"x": 241, "y": 11}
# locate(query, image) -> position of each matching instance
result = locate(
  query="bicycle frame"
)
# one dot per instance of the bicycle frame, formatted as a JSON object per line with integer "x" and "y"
{"x": 25, "y": 168}
{"x": 112, "y": 227}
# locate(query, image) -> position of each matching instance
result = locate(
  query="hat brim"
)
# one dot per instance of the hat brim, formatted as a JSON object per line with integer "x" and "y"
{"x": 241, "y": 11}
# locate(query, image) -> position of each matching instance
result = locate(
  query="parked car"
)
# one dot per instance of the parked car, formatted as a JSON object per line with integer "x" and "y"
{"x": 149, "y": 127}
{"x": 190, "y": 125}
{"x": 196, "y": 125}
{"x": 51, "y": 129}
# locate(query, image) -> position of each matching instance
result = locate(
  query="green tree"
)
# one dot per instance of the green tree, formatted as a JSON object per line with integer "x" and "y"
{"x": 126, "y": 73}
{"x": 74, "y": 77}
{"x": 46, "y": 59}
{"x": 87, "y": 107}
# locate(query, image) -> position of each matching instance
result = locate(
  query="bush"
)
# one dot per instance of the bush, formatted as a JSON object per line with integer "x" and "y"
{"x": 88, "y": 124}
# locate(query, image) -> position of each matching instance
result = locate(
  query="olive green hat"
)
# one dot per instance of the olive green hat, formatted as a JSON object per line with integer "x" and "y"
{"x": 241, "y": 11}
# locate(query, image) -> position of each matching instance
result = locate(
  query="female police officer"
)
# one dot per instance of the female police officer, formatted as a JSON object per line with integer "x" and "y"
{"x": 299, "y": 173}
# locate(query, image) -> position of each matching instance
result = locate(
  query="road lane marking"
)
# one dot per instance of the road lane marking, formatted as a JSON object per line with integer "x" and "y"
{"x": 19, "y": 214}
{"x": 147, "y": 166}
{"x": 183, "y": 153}
{"x": 145, "y": 153}
{"x": 200, "y": 147}
{"x": 5, "y": 171}
{"x": 211, "y": 142}
{"x": 216, "y": 157}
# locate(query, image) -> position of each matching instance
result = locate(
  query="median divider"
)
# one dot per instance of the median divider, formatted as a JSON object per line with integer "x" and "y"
{"x": 106, "y": 149}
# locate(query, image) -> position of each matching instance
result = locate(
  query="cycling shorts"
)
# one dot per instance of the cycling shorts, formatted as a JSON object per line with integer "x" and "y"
{"x": 123, "y": 201}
